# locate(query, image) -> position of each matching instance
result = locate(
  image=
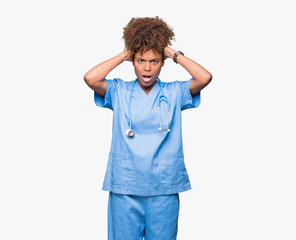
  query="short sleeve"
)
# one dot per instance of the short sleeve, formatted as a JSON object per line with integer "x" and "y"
{"x": 187, "y": 100}
{"x": 106, "y": 102}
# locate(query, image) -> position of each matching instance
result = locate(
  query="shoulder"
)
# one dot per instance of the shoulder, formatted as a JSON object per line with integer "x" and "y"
{"x": 117, "y": 83}
{"x": 169, "y": 84}
{"x": 175, "y": 85}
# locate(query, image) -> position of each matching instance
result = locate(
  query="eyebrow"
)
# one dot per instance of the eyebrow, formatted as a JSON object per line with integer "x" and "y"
{"x": 154, "y": 59}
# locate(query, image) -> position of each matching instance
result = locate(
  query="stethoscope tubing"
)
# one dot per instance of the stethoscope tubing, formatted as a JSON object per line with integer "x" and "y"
{"x": 162, "y": 97}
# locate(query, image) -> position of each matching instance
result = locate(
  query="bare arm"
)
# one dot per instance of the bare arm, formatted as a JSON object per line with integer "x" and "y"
{"x": 201, "y": 77}
{"x": 95, "y": 78}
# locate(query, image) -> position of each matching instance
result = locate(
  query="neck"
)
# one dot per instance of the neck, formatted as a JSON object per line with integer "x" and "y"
{"x": 147, "y": 89}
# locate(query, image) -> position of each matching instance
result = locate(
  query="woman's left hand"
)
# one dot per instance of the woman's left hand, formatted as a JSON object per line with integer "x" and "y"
{"x": 169, "y": 52}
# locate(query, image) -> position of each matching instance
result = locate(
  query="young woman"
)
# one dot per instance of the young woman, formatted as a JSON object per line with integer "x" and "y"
{"x": 146, "y": 169}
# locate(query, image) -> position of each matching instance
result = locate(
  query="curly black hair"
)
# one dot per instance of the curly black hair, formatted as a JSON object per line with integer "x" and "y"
{"x": 144, "y": 34}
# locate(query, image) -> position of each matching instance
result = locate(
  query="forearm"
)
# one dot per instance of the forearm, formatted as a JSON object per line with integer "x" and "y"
{"x": 100, "y": 71}
{"x": 200, "y": 76}
{"x": 196, "y": 70}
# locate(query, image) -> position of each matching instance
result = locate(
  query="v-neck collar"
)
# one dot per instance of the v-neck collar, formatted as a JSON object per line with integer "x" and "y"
{"x": 153, "y": 89}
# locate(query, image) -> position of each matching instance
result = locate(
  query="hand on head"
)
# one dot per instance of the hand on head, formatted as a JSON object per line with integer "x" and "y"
{"x": 126, "y": 55}
{"x": 169, "y": 52}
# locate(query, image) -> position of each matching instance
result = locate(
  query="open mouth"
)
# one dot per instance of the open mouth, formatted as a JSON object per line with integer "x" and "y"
{"x": 147, "y": 78}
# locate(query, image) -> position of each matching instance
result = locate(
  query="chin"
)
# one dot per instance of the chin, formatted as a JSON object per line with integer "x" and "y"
{"x": 147, "y": 84}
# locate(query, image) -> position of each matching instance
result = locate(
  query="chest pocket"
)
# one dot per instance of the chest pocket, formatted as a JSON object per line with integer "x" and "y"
{"x": 164, "y": 116}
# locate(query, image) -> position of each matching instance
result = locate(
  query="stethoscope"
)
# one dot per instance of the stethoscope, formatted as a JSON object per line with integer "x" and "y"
{"x": 130, "y": 132}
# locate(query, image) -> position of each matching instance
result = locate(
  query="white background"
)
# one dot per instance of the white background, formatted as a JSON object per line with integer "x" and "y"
{"x": 238, "y": 143}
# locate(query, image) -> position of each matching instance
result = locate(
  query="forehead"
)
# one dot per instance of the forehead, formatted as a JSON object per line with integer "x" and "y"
{"x": 150, "y": 54}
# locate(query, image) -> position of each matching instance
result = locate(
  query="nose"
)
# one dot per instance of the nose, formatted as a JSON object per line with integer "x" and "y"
{"x": 147, "y": 66}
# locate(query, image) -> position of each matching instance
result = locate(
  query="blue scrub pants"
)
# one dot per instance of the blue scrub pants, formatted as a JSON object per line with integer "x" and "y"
{"x": 132, "y": 217}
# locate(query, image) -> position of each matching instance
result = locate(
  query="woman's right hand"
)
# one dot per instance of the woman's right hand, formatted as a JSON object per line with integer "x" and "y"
{"x": 126, "y": 55}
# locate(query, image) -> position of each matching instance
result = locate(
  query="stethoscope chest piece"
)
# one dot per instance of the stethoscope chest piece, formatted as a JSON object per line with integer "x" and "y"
{"x": 130, "y": 133}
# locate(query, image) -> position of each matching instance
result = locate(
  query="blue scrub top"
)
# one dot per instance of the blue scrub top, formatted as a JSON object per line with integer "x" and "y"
{"x": 151, "y": 163}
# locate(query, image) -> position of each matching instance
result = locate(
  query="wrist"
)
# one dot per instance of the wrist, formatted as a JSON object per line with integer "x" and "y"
{"x": 121, "y": 56}
{"x": 176, "y": 56}
{"x": 124, "y": 55}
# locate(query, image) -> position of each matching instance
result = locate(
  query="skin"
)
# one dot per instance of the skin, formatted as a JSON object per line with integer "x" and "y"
{"x": 95, "y": 78}
{"x": 148, "y": 64}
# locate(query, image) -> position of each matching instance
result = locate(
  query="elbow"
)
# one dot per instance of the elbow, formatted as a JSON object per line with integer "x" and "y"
{"x": 92, "y": 80}
{"x": 207, "y": 79}
{"x": 210, "y": 77}
{"x": 88, "y": 80}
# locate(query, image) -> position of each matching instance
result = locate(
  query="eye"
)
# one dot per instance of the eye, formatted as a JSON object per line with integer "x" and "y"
{"x": 140, "y": 61}
{"x": 154, "y": 61}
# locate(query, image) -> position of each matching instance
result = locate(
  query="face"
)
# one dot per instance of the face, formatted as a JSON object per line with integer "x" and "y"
{"x": 147, "y": 67}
